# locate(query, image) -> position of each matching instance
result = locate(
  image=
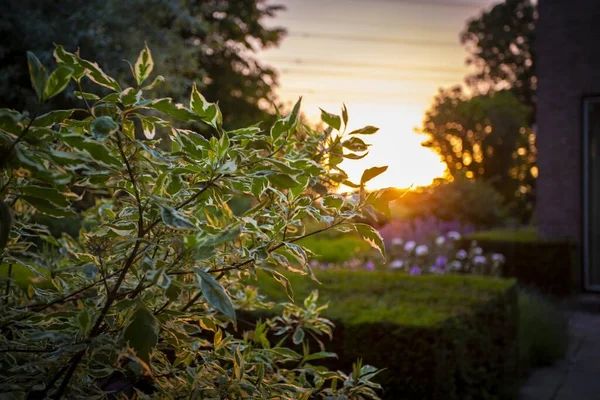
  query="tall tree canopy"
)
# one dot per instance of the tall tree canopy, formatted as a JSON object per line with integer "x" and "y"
{"x": 484, "y": 137}
{"x": 501, "y": 43}
{"x": 210, "y": 42}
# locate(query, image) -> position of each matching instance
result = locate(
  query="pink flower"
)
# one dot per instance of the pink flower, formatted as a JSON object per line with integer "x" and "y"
{"x": 370, "y": 266}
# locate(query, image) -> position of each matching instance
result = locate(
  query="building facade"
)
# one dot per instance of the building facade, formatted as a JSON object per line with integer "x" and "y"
{"x": 568, "y": 134}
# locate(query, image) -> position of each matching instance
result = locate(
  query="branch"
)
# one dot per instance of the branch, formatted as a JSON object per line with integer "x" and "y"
{"x": 22, "y": 135}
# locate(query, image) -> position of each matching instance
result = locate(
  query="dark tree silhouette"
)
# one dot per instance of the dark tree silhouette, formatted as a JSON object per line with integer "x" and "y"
{"x": 210, "y": 42}
{"x": 501, "y": 43}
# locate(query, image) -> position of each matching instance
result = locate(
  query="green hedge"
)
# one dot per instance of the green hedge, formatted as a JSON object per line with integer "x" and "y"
{"x": 439, "y": 337}
{"x": 551, "y": 266}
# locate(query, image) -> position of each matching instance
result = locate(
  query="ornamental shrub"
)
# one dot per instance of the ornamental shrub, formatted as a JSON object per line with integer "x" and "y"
{"x": 139, "y": 297}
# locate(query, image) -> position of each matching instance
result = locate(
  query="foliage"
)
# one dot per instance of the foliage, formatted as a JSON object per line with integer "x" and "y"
{"x": 501, "y": 43}
{"x": 210, "y": 42}
{"x": 485, "y": 137}
{"x": 543, "y": 331}
{"x": 550, "y": 266}
{"x": 142, "y": 299}
{"x": 449, "y": 337}
{"x": 469, "y": 203}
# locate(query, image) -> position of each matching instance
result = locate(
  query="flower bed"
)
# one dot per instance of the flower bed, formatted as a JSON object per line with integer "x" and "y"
{"x": 450, "y": 336}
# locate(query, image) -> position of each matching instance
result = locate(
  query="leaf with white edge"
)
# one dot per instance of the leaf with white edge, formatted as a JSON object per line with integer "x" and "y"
{"x": 207, "y": 111}
{"x": 298, "y": 336}
{"x": 215, "y": 295}
{"x": 372, "y": 237}
{"x": 47, "y": 207}
{"x": 142, "y": 332}
{"x": 174, "y": 219}
{"x": 37, "y": 74}
{"x": 143, "y": 66}
{"x": 333, "y": 201}
{"x": 332, "y": 120}
{"x": 157, "y": 81}
{"x": 57, "y": 81}
{"x": 371, "y": 173}
{"x": 228, "y": 167}
{"x": 47, "y": 193}
{"x": 102, "y": 127}
{"x": 70, "y": 60}
{"x": 367, "y": 130}
{"x": 95, "y": 74}
{"x": 149, "y": 128}
{"x": 286, "y": 124}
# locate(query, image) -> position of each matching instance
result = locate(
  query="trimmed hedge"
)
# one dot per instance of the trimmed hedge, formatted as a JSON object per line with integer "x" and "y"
{"x": 551, "y": 266}
{"x": 439, "y": 337}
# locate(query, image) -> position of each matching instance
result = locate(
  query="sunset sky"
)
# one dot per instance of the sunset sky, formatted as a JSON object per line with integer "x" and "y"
{"x": 385, "y": 59}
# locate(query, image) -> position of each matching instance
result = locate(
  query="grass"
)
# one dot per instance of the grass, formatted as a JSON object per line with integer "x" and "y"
{"x": 357, "y": 297}
{"x": 543, "y": 331}
{"x": 507, "y": 235}
{"x": 335, "y": 249}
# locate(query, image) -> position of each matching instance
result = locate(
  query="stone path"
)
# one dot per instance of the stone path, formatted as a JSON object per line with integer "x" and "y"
{"x": 578, "y": 376}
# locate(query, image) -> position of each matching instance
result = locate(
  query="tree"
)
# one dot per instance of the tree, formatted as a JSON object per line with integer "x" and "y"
{"x": 501, "y": 43}
{"x": 207, "y": 42}
{"x": 484, "y": 137}
{"x": 142, "y": 300}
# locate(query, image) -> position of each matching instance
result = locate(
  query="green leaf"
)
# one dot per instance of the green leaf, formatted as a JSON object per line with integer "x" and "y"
{"x": 372, "y": 237}
{"x": 282, "y": 181}
{"x": 51, "y": 118}
{"x": 286, "y": 124}
{"x": 319, "y": 356}
{"x": 142, "y": 332}
{"x": 367, "y": 130}
{"x": 102, "y": 127}
{"x": 332, "y": 120}
{"x": 178, "y": 111}
{"x": 143, "y": 66}
{"x": 215, "y": 295}
{"x": 345, "y": 115}
{"x": 174, "y": 219}
{"x": 84, "y": 320}
{"x": 333, "y": 201}
{"x": 58, "y": 81}
{"x": 355, "y": 144}
{"x": 95, "y": 74}
{"x": 6, "y": 223}
{"x": 207, "y": 111}
{"x": 98, "y": 151}
{"x": 47, "y": 193}
{"x": 372, "y": 173}
{"x": 37, "y": 74}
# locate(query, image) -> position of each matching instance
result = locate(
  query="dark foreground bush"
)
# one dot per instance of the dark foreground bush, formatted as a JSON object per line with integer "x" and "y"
{"x": 547, "y": 265}
{"x": 439, "y": 337}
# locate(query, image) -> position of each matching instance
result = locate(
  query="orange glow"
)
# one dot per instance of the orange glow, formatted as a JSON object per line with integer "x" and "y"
{"x": 375, "y": 58}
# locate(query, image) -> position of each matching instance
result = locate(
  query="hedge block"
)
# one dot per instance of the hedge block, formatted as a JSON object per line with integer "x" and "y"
{"x": 459, "y": 343}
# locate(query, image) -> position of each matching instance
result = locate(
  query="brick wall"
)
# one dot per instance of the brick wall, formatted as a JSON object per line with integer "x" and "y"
{"x": 568, "y": 67}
